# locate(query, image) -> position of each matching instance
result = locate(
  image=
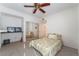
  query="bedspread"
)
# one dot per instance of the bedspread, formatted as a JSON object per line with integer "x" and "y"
{"x": 46, "y": 46}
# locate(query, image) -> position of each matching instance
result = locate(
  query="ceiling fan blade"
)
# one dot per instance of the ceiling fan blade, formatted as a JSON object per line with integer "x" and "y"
{"x": 45, "y": 4}
{"x": 34, "y": 11}
{"x": 42, "y": 10}
{"x": 28, "y": 6}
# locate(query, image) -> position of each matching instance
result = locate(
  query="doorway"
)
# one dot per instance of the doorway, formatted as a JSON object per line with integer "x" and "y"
{"x": 32, "y": 30}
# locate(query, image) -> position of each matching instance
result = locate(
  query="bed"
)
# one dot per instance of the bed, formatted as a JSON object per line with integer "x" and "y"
{"x": 48, "y": 46}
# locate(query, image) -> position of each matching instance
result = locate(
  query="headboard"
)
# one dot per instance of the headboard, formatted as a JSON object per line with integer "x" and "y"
{"x": 59, "y": 36}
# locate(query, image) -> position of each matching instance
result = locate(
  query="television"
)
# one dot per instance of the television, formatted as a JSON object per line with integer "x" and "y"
{"x": 11, "y": 29}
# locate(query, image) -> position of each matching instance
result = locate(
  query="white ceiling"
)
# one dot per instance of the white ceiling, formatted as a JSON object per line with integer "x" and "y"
{"x": 53, "y": 8}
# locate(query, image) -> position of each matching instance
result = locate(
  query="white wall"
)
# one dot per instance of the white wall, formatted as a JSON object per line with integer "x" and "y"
{"x": 78, "y": 29}
{"x": 65, "y": 23}
{"x": 0, "y": 22}
{"x": 8, "y": 20}
{"x": 26, "y": 17}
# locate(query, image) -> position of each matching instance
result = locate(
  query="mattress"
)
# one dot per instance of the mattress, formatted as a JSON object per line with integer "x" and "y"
{"x": 46, "y": 47}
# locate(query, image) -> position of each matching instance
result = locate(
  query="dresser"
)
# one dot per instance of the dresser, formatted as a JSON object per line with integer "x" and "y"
{"x": 1, "y": 36}
{"x": 12, "y": 36}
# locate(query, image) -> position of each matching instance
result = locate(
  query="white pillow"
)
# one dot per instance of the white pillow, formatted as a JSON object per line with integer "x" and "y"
{"x": 52, "y": 36}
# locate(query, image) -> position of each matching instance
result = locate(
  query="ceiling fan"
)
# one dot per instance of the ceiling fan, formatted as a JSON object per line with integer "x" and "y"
{"x": 38, "y": 6}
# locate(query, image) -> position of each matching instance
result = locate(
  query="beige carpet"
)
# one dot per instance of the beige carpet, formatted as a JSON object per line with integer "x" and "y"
{"x": 17, "y": 49}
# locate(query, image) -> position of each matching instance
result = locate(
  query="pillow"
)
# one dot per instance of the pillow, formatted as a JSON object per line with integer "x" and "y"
{"x": 52, "y": 36}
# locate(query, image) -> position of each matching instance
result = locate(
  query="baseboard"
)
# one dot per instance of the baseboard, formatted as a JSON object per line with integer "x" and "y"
{"x": 71, "y": 47}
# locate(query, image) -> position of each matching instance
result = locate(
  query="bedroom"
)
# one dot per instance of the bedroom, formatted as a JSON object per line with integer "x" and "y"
{"x": 60, "y": 18}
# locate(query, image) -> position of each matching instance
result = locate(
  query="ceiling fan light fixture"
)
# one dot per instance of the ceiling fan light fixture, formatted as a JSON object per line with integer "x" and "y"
{"x": 38, "y": 6}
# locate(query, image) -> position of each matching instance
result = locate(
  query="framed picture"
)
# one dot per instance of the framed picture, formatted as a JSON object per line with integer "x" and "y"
{"x": 18, "y": 29}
